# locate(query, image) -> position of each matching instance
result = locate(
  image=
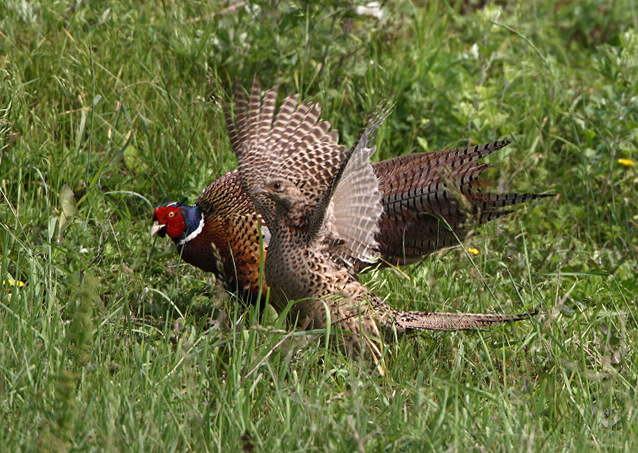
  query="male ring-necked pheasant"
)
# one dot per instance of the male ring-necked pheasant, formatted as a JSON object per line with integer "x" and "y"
{"x": 321, "y": 205}
{"x": 430, "y": 201}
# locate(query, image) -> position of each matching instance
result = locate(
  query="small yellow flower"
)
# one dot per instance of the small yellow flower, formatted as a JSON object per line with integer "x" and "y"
{"x": 473, "y": 251}
{"x": 12, "y": 282}
{"x": 626, "y": 162}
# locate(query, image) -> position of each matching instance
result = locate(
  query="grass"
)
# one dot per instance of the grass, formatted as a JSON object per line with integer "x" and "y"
{"x": 113, "y": 344}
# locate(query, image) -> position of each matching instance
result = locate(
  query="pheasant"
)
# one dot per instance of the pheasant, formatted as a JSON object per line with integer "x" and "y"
{"x": 430, "y": 200}
{"x": 321, "y": 205}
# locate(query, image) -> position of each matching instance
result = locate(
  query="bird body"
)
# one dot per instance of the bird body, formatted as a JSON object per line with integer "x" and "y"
{"x": 325, "y": 213}
{"x": 430, "y": 201}
{"x": 321, "y": 204}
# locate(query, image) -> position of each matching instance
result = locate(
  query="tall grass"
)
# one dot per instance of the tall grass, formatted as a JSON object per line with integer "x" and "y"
{"x": 108, "y": 342}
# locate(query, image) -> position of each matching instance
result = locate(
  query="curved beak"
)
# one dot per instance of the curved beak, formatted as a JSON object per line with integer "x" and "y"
{"x": 259, "y": 191}
{"x": 157, "y": 228}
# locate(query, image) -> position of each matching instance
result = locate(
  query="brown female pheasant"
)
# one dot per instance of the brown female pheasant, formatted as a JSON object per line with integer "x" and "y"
{"x": 321, "y": 205}
{"x": 430, "y": 201}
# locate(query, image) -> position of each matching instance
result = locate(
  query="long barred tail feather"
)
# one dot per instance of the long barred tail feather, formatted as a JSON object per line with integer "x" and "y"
{"x": 415, "y": 320}
{"x": 431, "y": 200}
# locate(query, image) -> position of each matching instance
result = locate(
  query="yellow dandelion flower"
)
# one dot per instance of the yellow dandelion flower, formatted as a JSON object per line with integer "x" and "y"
{"x": 473, "y": 251}
{"x": 626, "y": 162}
{"x": 12, "y": 282}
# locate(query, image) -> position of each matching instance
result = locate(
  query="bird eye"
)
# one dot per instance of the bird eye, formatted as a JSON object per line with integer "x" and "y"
{"x": 277, "y": 186}
{"x": 171, "y": 214}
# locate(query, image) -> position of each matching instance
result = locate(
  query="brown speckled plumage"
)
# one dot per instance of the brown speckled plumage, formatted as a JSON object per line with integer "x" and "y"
{"x": 299, "y": 179}
{"x": 238, "y": 260}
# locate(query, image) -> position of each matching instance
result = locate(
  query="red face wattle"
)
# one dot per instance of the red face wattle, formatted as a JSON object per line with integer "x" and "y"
{"x": 171, "y": 216}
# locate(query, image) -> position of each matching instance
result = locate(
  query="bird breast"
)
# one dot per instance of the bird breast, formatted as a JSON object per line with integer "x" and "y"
{"x": 296, "y": 271}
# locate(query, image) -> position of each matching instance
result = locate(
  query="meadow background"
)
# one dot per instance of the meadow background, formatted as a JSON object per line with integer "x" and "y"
{"x": 108, "y": 342}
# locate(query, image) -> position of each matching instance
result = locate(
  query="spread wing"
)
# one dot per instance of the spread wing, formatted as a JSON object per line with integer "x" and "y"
{"x": 352, "y": 206}
{"x": 293, "y": 145}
